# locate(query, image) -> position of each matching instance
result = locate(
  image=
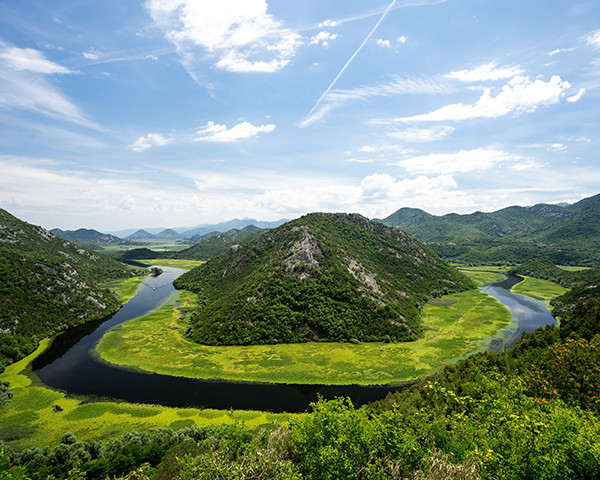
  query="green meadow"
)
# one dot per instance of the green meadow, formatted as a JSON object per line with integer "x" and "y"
{"x": 173, "y": 262}
{"x": 484, "y": 275}
{"x": 539, "y": 289}
{"x": 37, "y": 415}
{"x": 125, "y": 289}
{"x": 454, "y": 326}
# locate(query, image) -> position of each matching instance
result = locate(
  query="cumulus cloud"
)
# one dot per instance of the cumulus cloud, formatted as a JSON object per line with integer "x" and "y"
{"x": 419, "y": 135}
{"x": 519, "y": 95}
{"x": 402, "y": 39}
{"x": 149, "y": 141}
{"x": 383, "y": 43}
{"x": 239, "y": 34}
{"x": 213, "y": 132}
{"x": 484, "y": 73}
{"x": 463, "y": 161}
{"x": 24, "y": 86}
{"x": 323, "y": 38}
{"x": 328, "y": 23}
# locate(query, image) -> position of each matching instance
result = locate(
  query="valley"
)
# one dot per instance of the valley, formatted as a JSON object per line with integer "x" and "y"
{"x": 146, "y": 368}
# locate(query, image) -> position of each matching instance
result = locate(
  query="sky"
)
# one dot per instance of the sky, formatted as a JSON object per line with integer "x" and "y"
{"x": 172, "y": 113}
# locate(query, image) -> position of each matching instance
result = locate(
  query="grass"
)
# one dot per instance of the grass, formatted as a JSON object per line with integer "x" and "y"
{"x": 126, "y": 288}
{"x": 484, "y": 275}
{"x": 173, "y": 262}
{"x": 572, "y": 269}
{"x": 39, "y": 416}
{"x": 538, "y": 289}
{"x": 458, "y": 325}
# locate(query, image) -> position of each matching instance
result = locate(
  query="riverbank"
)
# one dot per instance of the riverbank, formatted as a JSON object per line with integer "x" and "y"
{"x": 454, "y": 326}
{"x": 38, "y": 415}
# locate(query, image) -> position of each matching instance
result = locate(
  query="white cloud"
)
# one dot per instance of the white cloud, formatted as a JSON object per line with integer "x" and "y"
{"x": 383, "y": 43}
{"x": 593, "y": 39}
{"x": 328, "y": 23}
{"x": 560, "y": 50}
{"x": 520, "y": 95}
{"x": 91, "y": 55}
{"x": 402, "y": 39}
{"x": 417, "y": 135}
{"x": 213, "y": 132}
{"x": 577, "y": 96}
{"x": 463, "y": 161}
{"x": 399, "y": 86}
{"x": 484, "y": 73}
{"x": 29, "y": 60}
{"x": 323, "y": 38}
{"x": 23, "y": 85}
{"x": 240, "y": 34}
{"x": 149, "y": 141}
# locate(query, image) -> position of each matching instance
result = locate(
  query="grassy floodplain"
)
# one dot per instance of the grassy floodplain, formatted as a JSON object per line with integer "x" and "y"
{"x": 484, "y": 275}
{"x": 38, "y": 416}
{"x": 543, "y": 290}
{"x": 125, "y": 289}
{"x": 173, "y": 262}
{"x": 455, "y": 326}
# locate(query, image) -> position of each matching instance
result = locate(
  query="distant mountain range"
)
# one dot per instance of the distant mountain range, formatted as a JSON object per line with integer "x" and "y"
{"x": 565, "y": 234}
{"x": 87, "y": 236}
{"x": 203, "y": 229}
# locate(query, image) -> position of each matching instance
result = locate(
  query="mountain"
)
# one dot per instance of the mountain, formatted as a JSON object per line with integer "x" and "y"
{"x": 229, "y": 225}
{"x": 326, "y": 277}
{"x": 567, "y": 235}
{"x": 48, "y": 284}
{"x": 168, "y": 234}
{"x": 215, "y": 243}
{"x": 140, "y": 235}
{"x": 87, "y": 237}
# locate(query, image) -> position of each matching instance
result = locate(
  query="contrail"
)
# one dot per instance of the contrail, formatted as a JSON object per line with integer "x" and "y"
{"x": 352, "y": 58}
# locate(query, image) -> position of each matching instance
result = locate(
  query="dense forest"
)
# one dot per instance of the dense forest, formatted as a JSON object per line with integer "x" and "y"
{"x": 332, "y": 277}
{"x": 47, "y": 285}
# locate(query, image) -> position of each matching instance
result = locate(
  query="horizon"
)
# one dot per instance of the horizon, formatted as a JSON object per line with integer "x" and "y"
{"x": 189, "y": 112}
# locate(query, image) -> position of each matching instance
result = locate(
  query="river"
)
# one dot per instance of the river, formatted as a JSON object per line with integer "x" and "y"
{"x": 68, "y": 366}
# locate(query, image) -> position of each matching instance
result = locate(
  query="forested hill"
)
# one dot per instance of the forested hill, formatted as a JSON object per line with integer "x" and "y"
{"x": 86, "y": 236}
{"x": 48, "y": 283}
{"x": 566, "y": 234}
{"x": 333, "y": 277}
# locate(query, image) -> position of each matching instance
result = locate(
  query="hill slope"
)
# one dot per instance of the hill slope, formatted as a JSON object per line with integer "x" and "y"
{"x": 48, "y": 283}
{"x": 332, "y": 277}
{"x": 87, "y": 237}
{"x": 568, "y": 235}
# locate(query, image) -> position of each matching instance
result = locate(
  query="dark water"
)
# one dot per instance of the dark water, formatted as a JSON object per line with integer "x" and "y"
{"x": 67, "y": 365}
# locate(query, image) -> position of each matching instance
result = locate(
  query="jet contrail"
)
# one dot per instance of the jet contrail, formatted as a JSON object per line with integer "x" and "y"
{"x": 352, "y": 57}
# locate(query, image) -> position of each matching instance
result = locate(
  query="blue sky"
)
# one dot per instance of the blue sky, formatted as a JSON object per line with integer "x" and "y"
{"x": 170, "y": 113}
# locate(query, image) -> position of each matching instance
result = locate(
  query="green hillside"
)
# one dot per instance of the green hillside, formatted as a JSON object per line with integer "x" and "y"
{"x": 322, "y": 277}
{"x": 216, "y": 243}
{"x": 48, "y": 284}
{"x": 567, "y": 235}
